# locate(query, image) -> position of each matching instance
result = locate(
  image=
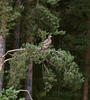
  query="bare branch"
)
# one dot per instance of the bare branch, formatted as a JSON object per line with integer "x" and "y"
{"x": 27, "y": 92}
{"x": 1, "y": 64}
{"x": 7, "y": 60}
{"x": 15, "y": 50}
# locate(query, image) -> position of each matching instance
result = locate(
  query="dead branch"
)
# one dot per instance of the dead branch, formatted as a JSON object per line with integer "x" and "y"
{"x": 1, "y": 64}
{"x": 6, "y": 60}
{"x": 14, "y": 50}
{"x": 27, "y": 92}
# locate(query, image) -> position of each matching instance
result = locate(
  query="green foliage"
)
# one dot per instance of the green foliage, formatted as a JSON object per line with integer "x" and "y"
{"x": 9, "y": 94}
{"x": 75, "y": 13}
{"x": 40, "y": 22}
{"x": 8, "y": 15}
{"x": 51, "y": 21}
{"x": 59, "y": 60}
{"x": 18, "y": 69}
{"x": 72, "y": 78}
{"x": 49, "y": 78}
{"x": 53, "y": 2}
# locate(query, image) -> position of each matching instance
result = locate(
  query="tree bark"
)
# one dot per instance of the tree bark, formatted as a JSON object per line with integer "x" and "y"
{"x": 28, "y": 83}
{"x": 17, "y": 35}
{"x": 29, "y": 76}
{"x": 2, "y": 51}
{"x": 3, "y": 25}
{"x": 85, "y": 87}
{"x": 17, "y": 30}
{"x": 85, "y": 90}
{"x": 29, "y": 80}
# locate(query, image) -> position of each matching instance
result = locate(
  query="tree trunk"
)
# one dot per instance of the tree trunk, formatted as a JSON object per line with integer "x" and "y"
{"x": 85, "y": 90}
{"x": 85, "y": 87}
{"x": 28, "y": 84}
{"x": 17, "y": 29}
{"x": 3, "y": 25}
{"x": 17, "y": 35}
{"x": 29, "y": 78}
{"x": 2, "y": 51}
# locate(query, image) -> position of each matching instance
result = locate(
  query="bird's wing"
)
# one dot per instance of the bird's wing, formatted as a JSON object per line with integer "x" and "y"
{"x": 46, "y": 41}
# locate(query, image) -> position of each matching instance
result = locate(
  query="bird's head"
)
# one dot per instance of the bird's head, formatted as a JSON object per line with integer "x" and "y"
{"x": 49, "y": 36}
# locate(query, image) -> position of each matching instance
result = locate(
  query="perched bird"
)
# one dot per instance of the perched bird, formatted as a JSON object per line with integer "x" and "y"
{"x": 46, "y": 43}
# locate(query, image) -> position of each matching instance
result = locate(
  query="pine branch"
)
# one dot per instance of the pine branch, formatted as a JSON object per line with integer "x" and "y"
{"x": 50, "y": 63}
{"x": 47, "y": 42}
{"x": 15, "y": 50}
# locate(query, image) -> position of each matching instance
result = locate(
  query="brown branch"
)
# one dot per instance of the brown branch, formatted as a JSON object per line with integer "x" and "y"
{"x": 27, "y": 92}
{"x": 50, "y": 63}
{"x": 7, "y": 60}
{"x": 15, "y": 50}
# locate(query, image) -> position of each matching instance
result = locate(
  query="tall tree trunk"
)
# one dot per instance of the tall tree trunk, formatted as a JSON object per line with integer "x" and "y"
{"x": 2, "y": 51}
{"x": 85, "y": 87}
{"x": 3, "y": 25}
{"x": 28, "y": 84}
{"x": 17, "y": 35}
{"x": 85, "y": 90}
{"x": 17, "y": 30}
{"x": 29, "y": 78}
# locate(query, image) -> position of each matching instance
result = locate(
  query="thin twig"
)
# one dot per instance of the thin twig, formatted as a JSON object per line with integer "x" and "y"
{"x": 27, "y": 92}
{"x": 46, "y": 68}
{"x": 50, "y": 63}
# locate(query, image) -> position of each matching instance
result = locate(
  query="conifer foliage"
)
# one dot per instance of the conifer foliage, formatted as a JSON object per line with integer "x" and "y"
{"x": 8, "y": 15}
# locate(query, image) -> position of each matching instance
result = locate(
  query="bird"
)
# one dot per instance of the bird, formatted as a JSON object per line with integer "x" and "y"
{"x": 46, "y": 43}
